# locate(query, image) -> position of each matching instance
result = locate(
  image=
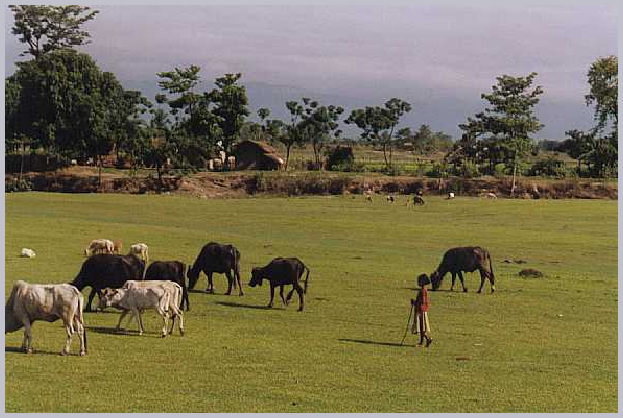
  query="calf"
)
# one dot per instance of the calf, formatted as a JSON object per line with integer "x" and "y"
{"x": 282, "y": 272}
{"x": 100, "y": 246}
{"x": 135, "y": 300}
{"x": 175, "y": 298}
{"x": 27, "y": 253}
{"x": 32, "y": 302}
{"x": 107, "y": 270}
{"x": 467, "y": 259}
{"x": 140, "y": 250}
{"x": 170, "y": 270}
{"x": 217, "y": 258}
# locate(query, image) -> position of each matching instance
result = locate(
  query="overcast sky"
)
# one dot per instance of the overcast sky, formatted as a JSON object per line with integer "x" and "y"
{"x": 439, "y": 56}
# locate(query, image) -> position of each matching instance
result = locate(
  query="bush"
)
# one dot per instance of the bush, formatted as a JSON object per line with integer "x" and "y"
{"x": 549, "y": 167}
{"x": 17, "y": 185}
{"x": 499, "y": 170}
{"x": 340, "y": 159}
{"x": 438, "y": 170}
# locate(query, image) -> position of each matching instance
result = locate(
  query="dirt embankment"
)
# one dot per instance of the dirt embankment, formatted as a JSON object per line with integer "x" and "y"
{"x": 243, "y": 183}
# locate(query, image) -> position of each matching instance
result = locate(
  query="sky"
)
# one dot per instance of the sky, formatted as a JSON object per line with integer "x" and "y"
{"x": 439, "y": 56}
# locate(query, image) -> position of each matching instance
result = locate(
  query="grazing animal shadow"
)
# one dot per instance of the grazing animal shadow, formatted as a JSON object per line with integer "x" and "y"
{"x": 243, "y": 305}
{"x": 201, "y": 291}
{"x": 348, "y": 340}
{"x": 34, "y": 351}
{"x": 113, "y": 331}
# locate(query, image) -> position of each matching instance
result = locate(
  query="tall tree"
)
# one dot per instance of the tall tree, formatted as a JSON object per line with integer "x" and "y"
{"x": 292, "y": 133}
{"x": 378, "y": 124}
{"x": 318, "y": 124}
{"x": 46, "y": 28}
{"x": 604, "y": 82}
{"x": 230, "y": 108}
{"x": 510, "y": 115}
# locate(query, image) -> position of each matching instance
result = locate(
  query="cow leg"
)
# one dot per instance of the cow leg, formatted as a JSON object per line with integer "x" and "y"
{"x": 139, "y": 319}
{"x": 237, "y": 276}
{"x": 230, "y": 282}
{"x": 289, "y": 295}
{"x": 453, "y": 279}
{"x": 462, "y": 282}
{"x": 299, "y": 290}
{"x": 123, "y": 314}
{"x": 165, "y": 317}
{"x": 492, "y": 281}
{"x": 285, "y": 302}
{"x": 91, "y": 296}
{"x": 180, "y": 323}
{"x": 27, "y": 341}
{"x": 185, "y": 298}
{"x": 70, "y": 331}
{"x": 210, "y": 288}
{"x": 272, "y": 295}
{"x": 79, "y": 327}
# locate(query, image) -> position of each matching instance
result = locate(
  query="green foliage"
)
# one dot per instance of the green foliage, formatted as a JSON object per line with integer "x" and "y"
{"x": 230, "y": 108}
{"x": 48, "y": 28}
{"x": 549, "y": 167}
{"x": 17, "y": 185}
{"x": 340, "y": 159}
{"x": 603, "y": 80}
{"x": 378, "y": 123}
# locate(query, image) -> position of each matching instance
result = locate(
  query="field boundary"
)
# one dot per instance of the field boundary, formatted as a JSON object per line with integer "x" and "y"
{"x": 240, "y": 184}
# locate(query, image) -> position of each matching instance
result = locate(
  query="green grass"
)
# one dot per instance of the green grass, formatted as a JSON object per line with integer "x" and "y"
{"x": 536, "y": 345}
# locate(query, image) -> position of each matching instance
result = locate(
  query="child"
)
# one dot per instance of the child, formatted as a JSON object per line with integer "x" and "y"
{"x": 420, "y": 305}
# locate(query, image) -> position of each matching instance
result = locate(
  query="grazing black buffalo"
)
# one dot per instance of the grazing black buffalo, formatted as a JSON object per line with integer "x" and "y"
{"x": 282, "y": 272}
{"x": 107, "y": 270}
{"x": 174, "y": 271}
{"x": 216, "y": 258}
{"x": 467, "y": 259}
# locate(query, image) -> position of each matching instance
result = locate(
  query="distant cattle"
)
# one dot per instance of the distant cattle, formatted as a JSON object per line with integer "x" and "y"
{"x": 415, "y": 200}
{"x": 35, "y": 302}
{"x": 490, "y": 195}
{"x": 100, "y": 246}
{"x": 217, "y": 258}
{"x": 27, "y": 253}
{"x": 107, "y": 270}
{"x": 282, "y": 272}
{"x": 140, "y": 250}
{"x": 450, "y": 195}
{"x": 390, "y": 199}
{"x": 464, "y": 259}
{"x": 170, "y": 270}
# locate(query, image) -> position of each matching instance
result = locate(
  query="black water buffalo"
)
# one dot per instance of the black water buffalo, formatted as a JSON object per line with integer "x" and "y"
{"x": 107, "y": 270}
{"x": 467, "y": 259}
{"x": 282, "y": 272}
{"x": 170, "y": 270}
{"x": 217, "y": 258}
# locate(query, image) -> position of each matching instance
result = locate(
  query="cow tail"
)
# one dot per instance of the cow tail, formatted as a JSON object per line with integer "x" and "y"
{"x": 236, "y": 269}
{"x": 306, "y": 278}
{"x": 81, "y": 319}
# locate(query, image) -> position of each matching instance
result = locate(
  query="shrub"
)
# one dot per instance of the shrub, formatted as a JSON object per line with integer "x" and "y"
{"x": 549, "y": 167}
{"x": 340, "y": 159}
{"x": 17, "y": 185}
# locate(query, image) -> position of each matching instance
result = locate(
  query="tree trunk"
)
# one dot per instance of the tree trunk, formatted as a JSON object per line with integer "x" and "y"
{"x": 385, "y": 155}
{"x": 514, "y": 177}
{"x": 285, "y": 168}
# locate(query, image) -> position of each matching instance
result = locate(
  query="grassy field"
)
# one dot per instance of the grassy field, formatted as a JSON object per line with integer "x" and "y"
{"x": 536, "y": 345}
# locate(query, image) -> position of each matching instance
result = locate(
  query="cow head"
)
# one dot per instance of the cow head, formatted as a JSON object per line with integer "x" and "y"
{"x": 423, "y": 280}
{"x": 435, "y": 279}
{"x": 193, "y": 276}
{"x": 109, "y": 298}
{"x": 256, "y": 277}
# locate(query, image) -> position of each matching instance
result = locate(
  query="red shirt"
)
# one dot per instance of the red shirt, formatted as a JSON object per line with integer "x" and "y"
{"x": 421, "y": 301}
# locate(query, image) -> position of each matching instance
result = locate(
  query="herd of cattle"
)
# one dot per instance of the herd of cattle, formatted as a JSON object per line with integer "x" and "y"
{"x": 122, "y": 281}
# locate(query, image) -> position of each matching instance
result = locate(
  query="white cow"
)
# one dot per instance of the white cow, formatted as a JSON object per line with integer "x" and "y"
{"x": 141, "y": 250}
{"x": 33, "y": 302}
{"x": 100, "y": 246}
{"x": 450, "y": 195}
{"x": 175, "y": 301}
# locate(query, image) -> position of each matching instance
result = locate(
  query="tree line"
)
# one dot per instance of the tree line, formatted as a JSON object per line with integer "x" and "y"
{"x": 60, "y": 101}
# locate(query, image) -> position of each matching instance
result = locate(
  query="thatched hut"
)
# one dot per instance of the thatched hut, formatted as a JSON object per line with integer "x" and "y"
{"x": 252, "y": 155}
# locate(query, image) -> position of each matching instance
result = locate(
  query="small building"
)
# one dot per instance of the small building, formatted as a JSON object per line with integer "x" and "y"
{"x": 252, "y": 155}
